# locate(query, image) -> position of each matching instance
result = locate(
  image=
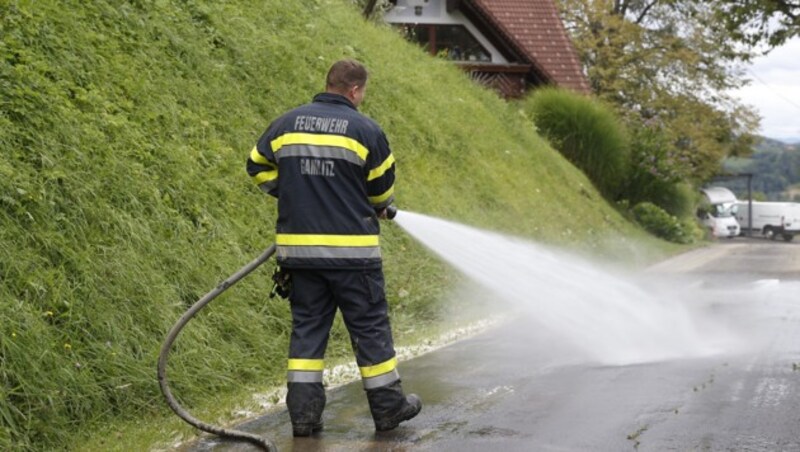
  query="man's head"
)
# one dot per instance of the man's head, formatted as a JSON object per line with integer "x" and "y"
{"x": 348, "y": 78}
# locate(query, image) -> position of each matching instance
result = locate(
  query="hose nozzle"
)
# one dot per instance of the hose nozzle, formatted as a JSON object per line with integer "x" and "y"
{"x": 391, "y": 212}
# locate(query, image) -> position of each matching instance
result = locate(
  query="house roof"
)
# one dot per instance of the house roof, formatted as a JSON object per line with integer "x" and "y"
{"x": 535, "y": 30}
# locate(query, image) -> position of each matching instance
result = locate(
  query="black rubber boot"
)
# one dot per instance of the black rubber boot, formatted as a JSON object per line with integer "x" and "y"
{"x": 305, "y": 402}
{"x": 389, "y": 406}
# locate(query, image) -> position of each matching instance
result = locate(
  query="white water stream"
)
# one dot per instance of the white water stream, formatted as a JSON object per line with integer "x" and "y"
{"x": 609, "y": 317}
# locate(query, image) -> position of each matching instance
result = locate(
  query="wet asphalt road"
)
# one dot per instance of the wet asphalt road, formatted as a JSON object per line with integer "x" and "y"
{"x": 503, "y": 391}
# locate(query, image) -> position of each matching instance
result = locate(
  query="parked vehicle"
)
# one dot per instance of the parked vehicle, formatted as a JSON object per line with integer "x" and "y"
{"x": 717, "y": 212}
{"x": 770, "y": 219}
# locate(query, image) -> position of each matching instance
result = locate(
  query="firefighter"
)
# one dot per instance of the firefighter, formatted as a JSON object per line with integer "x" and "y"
{"x": 332, "y": 171}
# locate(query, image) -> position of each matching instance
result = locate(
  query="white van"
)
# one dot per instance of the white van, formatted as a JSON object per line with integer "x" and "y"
{"x": 771, "y": 219}
{"x": 717, "y": 212}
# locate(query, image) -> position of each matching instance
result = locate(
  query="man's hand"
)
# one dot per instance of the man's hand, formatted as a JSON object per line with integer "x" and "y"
{"x": 387, "y": 213}
{"x": 382, "y": 214}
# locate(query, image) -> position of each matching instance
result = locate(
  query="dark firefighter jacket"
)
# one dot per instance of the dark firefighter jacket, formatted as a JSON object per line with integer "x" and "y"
{"x": 331, "y": 169}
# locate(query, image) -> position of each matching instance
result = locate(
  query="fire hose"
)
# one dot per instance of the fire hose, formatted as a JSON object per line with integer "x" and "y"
{"x": 173, "y": 334}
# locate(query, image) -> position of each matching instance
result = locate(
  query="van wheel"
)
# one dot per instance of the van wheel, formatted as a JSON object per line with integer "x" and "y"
{"x": 769, "y": 233}
{"x": 787, "y": 237}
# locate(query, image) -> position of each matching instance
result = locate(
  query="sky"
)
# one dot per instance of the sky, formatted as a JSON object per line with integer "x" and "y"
{"x": 774, "y": 91}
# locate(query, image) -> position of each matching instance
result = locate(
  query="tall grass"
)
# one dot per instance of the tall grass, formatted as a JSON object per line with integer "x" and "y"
{"x": 123, "y": 199}
{"x": 587, "y": 132}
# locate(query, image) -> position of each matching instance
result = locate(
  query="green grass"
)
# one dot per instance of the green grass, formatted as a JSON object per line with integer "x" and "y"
{"x": 586, "y": 132}
{"x": 123, "y": 198}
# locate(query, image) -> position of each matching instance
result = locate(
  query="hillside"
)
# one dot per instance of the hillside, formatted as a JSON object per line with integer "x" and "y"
{"x": 124, "y": 130}
{"x": 775, "y": 166}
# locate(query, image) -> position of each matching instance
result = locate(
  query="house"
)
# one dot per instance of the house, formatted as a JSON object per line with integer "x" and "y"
{"x": 510, "y": 45}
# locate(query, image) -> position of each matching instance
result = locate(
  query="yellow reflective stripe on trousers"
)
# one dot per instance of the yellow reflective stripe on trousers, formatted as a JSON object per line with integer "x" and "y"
{"x": 306, "y": 364}
{"x": 381, "y": 380}
{"x": 381, "y": 169}
{"x": 378, "y": 369}
{"x": 304, "y": 376}
{"x": 320, "y": 140}
{"x": 327, "y": 240}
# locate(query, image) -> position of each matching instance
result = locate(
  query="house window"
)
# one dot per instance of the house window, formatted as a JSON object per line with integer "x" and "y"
{"x": 454, "y": 42}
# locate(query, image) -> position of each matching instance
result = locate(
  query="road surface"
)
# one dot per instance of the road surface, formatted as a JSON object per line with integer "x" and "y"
{"x": 505, "y": 391}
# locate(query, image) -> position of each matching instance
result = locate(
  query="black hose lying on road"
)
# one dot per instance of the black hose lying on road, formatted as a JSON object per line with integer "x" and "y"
{"x": 173, "y": 334}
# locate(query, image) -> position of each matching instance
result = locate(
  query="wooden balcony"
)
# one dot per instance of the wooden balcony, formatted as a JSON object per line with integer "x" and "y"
{"x": 510, "y": 80}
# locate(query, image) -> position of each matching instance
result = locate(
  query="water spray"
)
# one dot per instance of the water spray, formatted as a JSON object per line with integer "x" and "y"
{"x": 604, "y": 316}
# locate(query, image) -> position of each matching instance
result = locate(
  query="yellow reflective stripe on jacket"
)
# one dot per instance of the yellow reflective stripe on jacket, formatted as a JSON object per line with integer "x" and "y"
{"x": 265, "y": 176}
{"x": 381, "y": 169}
{"x": 378, "y": 369}
{"x": 256, "y": 157}
{"x": 382, "y": 197}
{"x": 326, "y": 240}
{"x": 269, "y": 173}
{"x": 320, "y": 140}
{"x": 306, "y": 364}
{"x": 328, "y": 252}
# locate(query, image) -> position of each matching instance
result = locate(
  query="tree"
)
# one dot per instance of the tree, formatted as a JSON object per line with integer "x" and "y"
{"x": 755, "y": 22}
{"x": 661, "y": 61}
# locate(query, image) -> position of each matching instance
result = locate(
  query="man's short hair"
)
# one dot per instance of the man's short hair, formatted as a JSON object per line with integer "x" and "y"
{"x": 345, "y": 74}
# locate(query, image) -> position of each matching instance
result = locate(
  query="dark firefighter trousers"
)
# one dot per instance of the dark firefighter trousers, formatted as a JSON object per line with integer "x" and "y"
{"x": 314, "y": 298}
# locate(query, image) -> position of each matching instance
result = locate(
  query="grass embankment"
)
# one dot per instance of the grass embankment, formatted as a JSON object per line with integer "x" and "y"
{"x": 123, "y": 198}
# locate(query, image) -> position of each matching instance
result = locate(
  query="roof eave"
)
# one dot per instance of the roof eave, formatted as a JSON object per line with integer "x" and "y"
{"x": 498, "y": 32}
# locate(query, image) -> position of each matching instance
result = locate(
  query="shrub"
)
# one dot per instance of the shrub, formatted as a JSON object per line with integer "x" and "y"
{"x": 586, "y": 132}
{"x": 678, "y": 199}
{"x": 659, "y": 222}
{"x": 693, "y": 229}
{"x": 657, "y": 173}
